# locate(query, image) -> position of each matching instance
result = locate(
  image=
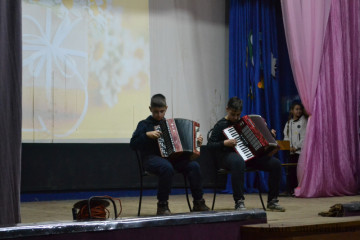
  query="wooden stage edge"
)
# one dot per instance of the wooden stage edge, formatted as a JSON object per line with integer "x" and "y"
{"x": 194, "y": 225}
{"x": 344, "y": 230}
{"x": 243, "y": 225}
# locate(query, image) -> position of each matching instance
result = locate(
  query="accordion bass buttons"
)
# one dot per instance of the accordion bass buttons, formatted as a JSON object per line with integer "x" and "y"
{"x": 173, "y": 127}
{"x": 197, "y": 134}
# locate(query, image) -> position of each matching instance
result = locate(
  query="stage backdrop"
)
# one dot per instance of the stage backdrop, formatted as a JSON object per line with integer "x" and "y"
{"x": 90, "y": 67}
{"x": 85, "y": 69}
{"x": 189, "y": 58}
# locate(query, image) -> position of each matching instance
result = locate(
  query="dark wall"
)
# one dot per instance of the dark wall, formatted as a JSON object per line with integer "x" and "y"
{"x": 90, "y": 167}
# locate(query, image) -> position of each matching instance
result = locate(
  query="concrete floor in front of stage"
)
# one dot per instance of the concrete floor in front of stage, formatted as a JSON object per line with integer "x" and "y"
{"x": 299, "y": 211}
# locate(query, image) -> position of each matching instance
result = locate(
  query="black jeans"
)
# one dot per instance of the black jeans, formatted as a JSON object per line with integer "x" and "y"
{"x": 236, "y": 165}
{"x": 292, "y": 175}
{"x": 165, "y": 170}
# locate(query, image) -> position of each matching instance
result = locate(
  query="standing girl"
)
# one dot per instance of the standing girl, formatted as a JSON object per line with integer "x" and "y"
{"x": 294, "y": 132}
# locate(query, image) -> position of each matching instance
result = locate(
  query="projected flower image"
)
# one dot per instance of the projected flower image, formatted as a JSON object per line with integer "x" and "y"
{"x": 78, "y": 61}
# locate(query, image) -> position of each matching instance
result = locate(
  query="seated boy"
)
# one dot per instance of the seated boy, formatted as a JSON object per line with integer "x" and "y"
{"x": 145, "y": 138}
{"x": 231, "y": 160}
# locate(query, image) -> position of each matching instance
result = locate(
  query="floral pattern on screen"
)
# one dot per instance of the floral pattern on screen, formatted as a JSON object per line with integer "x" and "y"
{"x": 85, "y": 69}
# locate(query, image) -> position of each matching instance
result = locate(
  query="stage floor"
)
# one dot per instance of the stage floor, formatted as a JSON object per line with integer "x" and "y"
{"x": 299, "y": 211}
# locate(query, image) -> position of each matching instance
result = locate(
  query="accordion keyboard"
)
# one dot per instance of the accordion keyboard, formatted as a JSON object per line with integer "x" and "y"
{"x": 240, "y": 147}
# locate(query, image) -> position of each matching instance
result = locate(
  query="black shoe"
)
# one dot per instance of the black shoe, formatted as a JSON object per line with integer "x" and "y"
{"x": 163, "y": 208}
{"x": 274, "y": 206}
{"x": 240, "y": 205}
{"x": 200, "y": 206}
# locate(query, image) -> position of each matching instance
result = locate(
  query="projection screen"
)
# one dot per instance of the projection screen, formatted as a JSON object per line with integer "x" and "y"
{"x": 85, "y": 69}
{"x": 91, "y": 66}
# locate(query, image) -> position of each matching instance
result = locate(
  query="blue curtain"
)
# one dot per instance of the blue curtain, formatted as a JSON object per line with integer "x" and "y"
{"x": 255, "y": 72}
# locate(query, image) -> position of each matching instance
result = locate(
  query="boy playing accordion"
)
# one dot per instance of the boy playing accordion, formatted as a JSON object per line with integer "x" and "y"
{"x": 145, "y": 139}
{"x": 232, "y": 161}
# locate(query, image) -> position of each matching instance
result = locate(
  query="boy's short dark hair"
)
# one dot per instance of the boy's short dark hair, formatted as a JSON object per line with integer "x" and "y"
{"x": 235, "y": 103}
{"x": 158, "y": 100}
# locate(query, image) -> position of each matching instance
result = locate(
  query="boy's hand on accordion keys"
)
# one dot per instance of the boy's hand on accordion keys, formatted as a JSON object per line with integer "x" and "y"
{"x": 273, "y": 132}
{"x": 230, "y": 143}
{"x": 153, "y": 134}
{"x": 199, "y": 140}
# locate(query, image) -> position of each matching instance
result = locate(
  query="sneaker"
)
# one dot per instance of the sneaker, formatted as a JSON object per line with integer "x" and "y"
{"x": 274, "y": 206}
{"x": 163, "y": 208}
{"x": 200, "y": 206}
{"x": 240, "y": 205}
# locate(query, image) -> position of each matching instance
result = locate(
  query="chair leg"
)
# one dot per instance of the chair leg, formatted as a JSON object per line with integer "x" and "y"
{"x": 141, "y": 193}
{"x": 74, "y": 213}
{"x": 259, "y": 189}
{"x": 215, "y": 188}
{"x": 186, "y": 192}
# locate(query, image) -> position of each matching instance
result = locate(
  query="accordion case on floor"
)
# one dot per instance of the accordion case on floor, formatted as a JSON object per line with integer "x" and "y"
{"x": 178, "y": 138}
{"x": 254, "y": 139}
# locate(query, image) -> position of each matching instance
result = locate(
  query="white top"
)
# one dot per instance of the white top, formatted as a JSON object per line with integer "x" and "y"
{"x": 296, "y": 133}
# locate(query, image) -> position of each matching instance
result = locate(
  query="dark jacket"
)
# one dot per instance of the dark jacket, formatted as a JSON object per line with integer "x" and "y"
{"x": 217, "y": 138}
{"x": 139, "y": 140}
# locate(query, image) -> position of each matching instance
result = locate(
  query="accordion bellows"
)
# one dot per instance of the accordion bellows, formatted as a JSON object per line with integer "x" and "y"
{"x": 178, "y": 138}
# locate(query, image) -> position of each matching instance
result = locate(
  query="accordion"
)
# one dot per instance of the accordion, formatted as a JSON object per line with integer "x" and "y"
{"x": 253, "y": 137}
{"x": 178, "y": 138}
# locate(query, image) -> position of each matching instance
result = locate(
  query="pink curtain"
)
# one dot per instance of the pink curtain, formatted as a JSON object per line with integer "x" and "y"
{"x": 323, "y": 43}
{"x": 305, "y": 24}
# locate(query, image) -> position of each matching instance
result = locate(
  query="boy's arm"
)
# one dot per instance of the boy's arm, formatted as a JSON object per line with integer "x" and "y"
{"x": 216, "y": 139}
{"x": 139, "y": 138}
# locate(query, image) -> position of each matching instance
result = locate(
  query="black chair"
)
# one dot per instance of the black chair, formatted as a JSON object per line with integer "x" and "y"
{"x": 222, "y": 171}
{"x": 143, "y": 173}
